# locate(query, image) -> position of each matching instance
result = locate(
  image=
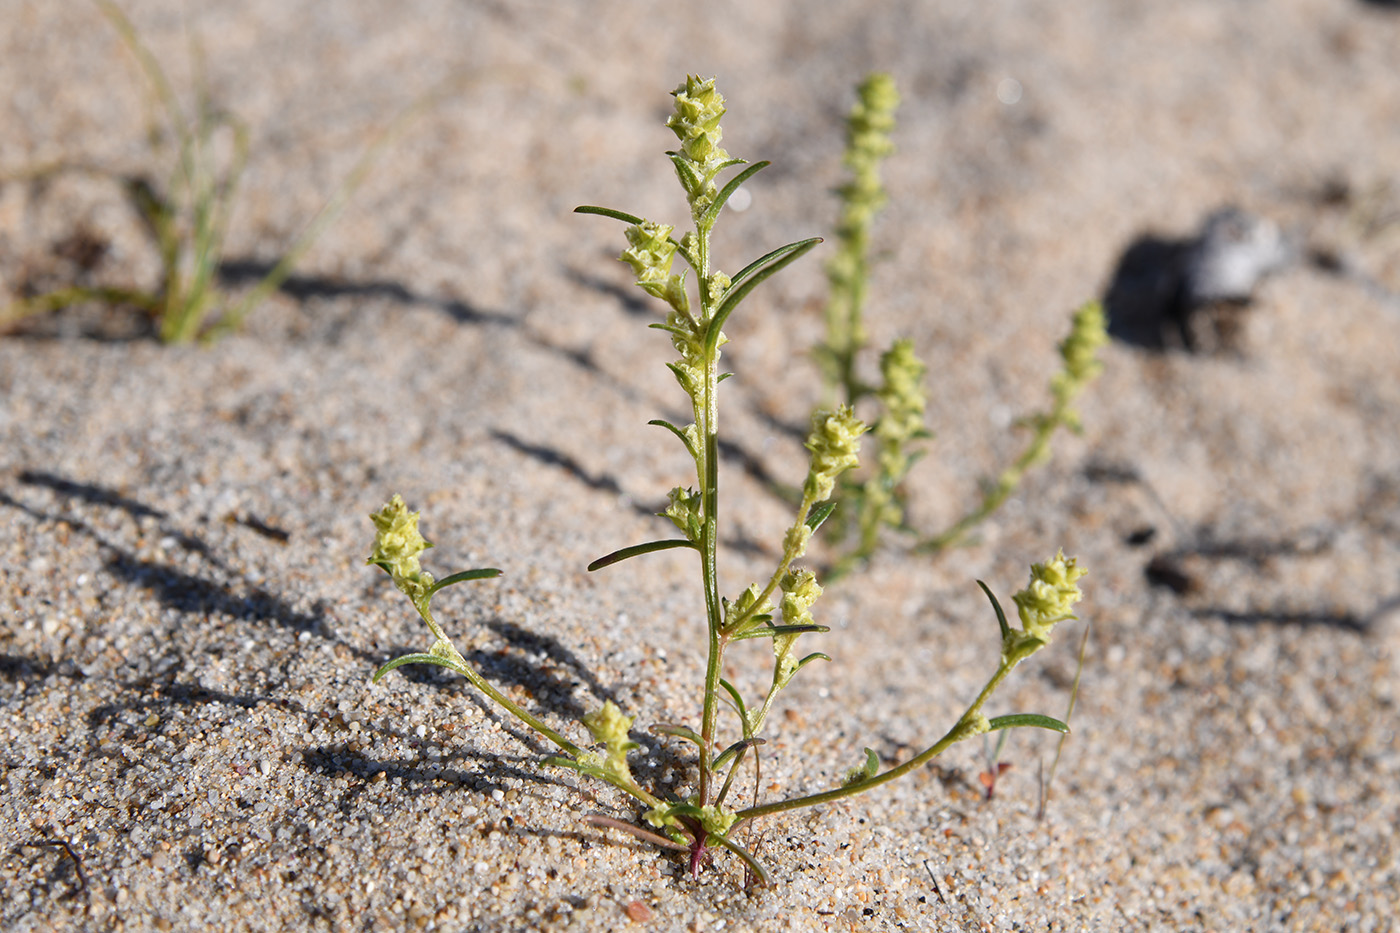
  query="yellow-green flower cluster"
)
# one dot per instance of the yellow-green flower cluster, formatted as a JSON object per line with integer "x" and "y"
{"x": 685, "y": 512}
{"x": 1050, "y": 595}
{"x": 835, "y": 446}
{"x": 650, "y": 254}
{"x": 695, "y": 122}
{"x": 609, "y": 727}
{"x": 902, "y": 397}
{"x": 397, "y": 544}
{"x": 800, "y": 591}
{"x": 747, "y": 606}
{"x": 1079, "y": 351}
{"x": 868, "y": 131}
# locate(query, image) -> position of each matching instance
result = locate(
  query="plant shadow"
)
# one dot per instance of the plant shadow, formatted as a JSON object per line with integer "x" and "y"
{"x": 235, "y": 272}
{"x": 1144, "y": 304}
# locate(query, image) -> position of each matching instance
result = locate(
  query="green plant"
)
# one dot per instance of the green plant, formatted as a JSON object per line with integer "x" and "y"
{"x": 188, "y": 216}
{"x": 1080, "y": 364}
{"x": 862, "y": 196}
{"x": 710, "y": 818}
{"x": 876, "y": 501}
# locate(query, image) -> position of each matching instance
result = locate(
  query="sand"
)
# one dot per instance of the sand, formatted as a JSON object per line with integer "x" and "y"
{"x": 187, "y": 628}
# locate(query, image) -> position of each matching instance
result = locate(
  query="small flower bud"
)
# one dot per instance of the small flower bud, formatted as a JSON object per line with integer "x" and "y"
{"x": 684, "y": 512}
{"x": 746, "y": 606}
{"x": 795, "y": 541}
{"x": 715, "y": 286}
{"x": 699, "y": 108}
{"x": 1050, "y": 595}
{"x": 971, "y": 724}
{"x": 397, "y": 544}
{"x": 800, "y": 591}
{"x": 650, "y": 255}
{"x": 609, "y": 727}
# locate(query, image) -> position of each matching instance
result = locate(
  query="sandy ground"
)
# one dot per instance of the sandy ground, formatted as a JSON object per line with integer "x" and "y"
{"x": 187, "y": 629}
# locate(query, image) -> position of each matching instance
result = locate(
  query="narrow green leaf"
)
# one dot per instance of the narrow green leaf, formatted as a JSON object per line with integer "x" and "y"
{"x": 774, "y": 261}
{"x": 681, "y": 379}
{"x": 675, "y": 430}
{"x": 482, "y": 573}
{"x": 685, "y": 809}
{"x": 423, "y": 658}
{"x": 870, "y": 768}
{"x": 685, "y": 169}
{"x": 669, "y": 328}
{"x": 751, "y": 622}
{"x": 609, "y": 212}
{"x": 1027, "y": 719}
{"x": 708, "y": 219}
{"x": 755, "y": 866}
{"x": 680, "y": 732}
{"x": 555, "y": 761}
{"x": 820, "y": 514}
{"x": 773, "y": 631}
{"x": 814, "y": 656}
{"x": 1001, "y": 616}
{"x": 738, "y": 700}
{"x": 722, "y": 377}
{"x": 739, "y": 277}
{"x": 636, "y": 549}
{"x": 734, "y": 749}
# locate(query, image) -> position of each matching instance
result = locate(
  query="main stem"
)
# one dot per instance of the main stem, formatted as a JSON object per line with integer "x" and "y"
{"x": 707, "y": 417}
{"x": 709, "y": 551}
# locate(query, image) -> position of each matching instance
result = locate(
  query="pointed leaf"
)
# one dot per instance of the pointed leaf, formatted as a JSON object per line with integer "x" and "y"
{"x": 759, "y": 873}
{"x": 680, "y": 808}
{"x": 680, "y": 732}
{"x": 820, "y": 514}
{"x": 636, "y": 549}
{"x": 865, "y": 771}
{"x": 669, "y": 328}
{"x": 739, "y": 277}
{"x": 1027, "y": 719}
{"x": 708, "y": 219}
{"x": 555, "y": 761}
{"x": 734, "y": 749}
{"x": 773, "y": 631}
{"x": 679, "y": 432}
{"x": 609, "y": 212}
{"x": 814, "y": 656}
{"x": 770, "y": 264}
{"x": 738, "y": 700}
{"x": 748, "y": 623}
{"x": 690, "y": 178}
{"x": 680, "y": 377}
{"x": 483, "y": 573}
{"x": 1001, "y": 616}
{"x": 415, "y": 659}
